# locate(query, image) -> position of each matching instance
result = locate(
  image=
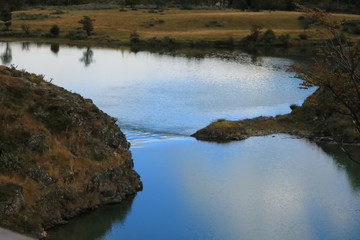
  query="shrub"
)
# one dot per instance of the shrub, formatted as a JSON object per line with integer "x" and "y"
{"x": 303, "y": 36}
{"x": 168, "y": 41}
{"x": 56, "y": 120}
{"x": 153, "y": 41}
{"x": 10, "y": 162}
{"x": 255, "y": 32}
{"x": 352, "y": 26}
{"x": 152, "y": 22}
{"x": 227, "y": 43}
{"x": 55, "y": 30}
{"x": 213, "y": 24}
{"x": 134, "y": 37}
{"x": 284, "y": 39}
{"x": 78, "y": 34}
{"x": 36, "y": 16}
{"x": 293, "y": 106}
{"x": 58, "y": 12}
{"x": 26, "y": 29}
{"x": 268, "y": 36}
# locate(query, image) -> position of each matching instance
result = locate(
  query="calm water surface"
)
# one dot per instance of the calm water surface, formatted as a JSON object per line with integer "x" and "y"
{"x": 274, "y": 187}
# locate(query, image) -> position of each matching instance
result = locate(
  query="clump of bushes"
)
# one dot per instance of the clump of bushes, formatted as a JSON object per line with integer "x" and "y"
{"x": 269, "y": 36}
{"x": 213, "y": 24}
{"x": 52, "y": 116}
{"x": 284, "y": 39}
{"x": 152, "y": 23}
{"x": 36, "y": 16}
{"x": 351, "y": 26}
{"x": 166, "y": 41}
{"x": 77, "y": 34}
{"x": 303, "y": 36}
{"x": 227, "y": 43}
{"x": 293, "y": 106}
{"x": 257, "y": 37}
{"x": 26, "y": 29}
{"x": 134, "y": 37}
{"x": 10, "y": 162}
{"x": 58, "y": 12}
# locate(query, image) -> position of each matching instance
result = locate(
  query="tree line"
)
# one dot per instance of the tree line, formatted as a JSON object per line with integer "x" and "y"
{"x": 352, "y": 6}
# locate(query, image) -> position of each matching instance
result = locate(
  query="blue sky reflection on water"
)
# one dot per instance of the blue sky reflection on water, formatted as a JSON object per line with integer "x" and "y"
{"x": 261, "y": 188}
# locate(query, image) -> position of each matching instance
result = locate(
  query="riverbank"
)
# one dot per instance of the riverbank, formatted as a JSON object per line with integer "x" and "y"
{"x": 162, "y": 28}
{"x": 60, "y": 156}
{"x": 307, "y": 121}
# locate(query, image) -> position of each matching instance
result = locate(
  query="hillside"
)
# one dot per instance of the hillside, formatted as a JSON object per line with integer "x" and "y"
{"x": 185, "y": 27}
{"x": 60, "y": 155}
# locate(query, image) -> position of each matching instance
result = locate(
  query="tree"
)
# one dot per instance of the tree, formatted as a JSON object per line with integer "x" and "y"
{"x": 255, "y": 32}
{"x": 55, "y": 30}
{"x": 305, "y": 22}
{"x": 26, "y": 29}
{"x": 336, "y": 71}
{"x": 5, "y": 16}
{"x": 87, "y": 23}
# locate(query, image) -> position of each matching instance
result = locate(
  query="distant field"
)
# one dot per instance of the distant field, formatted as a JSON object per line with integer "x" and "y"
{"x": 183, "y": 25}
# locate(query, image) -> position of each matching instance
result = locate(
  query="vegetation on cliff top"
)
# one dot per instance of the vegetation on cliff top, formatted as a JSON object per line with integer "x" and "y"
{"x": 59, "y": 154}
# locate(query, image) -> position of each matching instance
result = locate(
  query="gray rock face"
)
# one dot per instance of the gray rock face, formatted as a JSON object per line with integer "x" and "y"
{"x": 11, "y": 199}
{"x": 40, "y": 175}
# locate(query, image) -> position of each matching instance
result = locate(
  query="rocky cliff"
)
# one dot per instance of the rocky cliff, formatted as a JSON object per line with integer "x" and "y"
{"x": 60, "y": 155}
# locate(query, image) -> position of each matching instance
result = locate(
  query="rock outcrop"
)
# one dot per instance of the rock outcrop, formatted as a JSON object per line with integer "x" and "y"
{"x": 60, "y": 155}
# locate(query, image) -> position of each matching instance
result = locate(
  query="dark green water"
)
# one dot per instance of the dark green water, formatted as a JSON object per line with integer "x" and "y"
{"x": 274, "y": 187}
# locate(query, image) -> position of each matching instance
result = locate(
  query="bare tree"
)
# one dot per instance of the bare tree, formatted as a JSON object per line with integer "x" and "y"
{"x": 336, "y": 70}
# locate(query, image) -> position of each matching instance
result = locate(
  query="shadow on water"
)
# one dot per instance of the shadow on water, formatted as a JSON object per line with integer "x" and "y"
{"x": 343, "y": 162}
{"x": 95, "y": 225}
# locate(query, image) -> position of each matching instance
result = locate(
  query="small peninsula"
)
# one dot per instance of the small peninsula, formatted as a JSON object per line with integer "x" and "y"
{"x": 60, "y": 156}
{"x": 312, "y": 120}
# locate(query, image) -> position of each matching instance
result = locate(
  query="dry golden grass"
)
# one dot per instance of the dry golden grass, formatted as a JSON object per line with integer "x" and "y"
{"x": 181, "y": 24}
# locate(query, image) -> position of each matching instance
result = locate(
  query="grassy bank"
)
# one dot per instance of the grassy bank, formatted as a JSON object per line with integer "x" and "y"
{"x": 113, "y": 27}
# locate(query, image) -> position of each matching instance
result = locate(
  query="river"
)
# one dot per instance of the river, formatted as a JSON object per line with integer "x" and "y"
{"x": 273, "y": 187}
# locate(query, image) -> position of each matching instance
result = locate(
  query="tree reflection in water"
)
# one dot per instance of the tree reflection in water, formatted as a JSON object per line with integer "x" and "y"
{"x": 6, "y": 57}
{"x": 25, "y": 46}
{"x": 87, "y": 58}
{"x": 55, "y": 47}
{"x": 343, "y": 162}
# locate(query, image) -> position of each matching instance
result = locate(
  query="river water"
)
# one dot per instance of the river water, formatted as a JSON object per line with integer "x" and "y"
{"x": 273, "y": 187}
